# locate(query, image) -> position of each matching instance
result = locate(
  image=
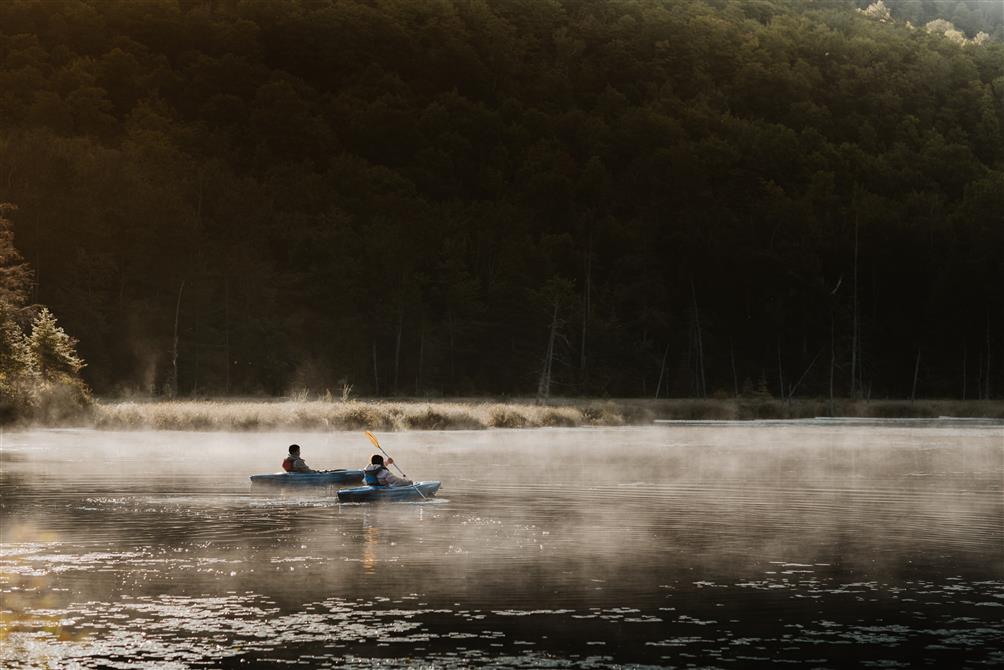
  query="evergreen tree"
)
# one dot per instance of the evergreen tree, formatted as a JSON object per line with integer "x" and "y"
{"x": 16, "y": 374}
{"x": 15, "y": 360}
{"x": 53, "y": 352}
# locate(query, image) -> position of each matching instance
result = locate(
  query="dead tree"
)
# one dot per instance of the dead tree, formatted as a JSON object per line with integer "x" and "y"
{"x": 964, "y": 352}
{"x": 780, "y": 371}
{"x": 174, "y": 349}
{"x": 854, "y": 325}
{"x": 735, "y": 377}
{"x": 397, "y": 350}
{"x": 792, "y": 388}
{"x": 587, "y": 300}
{"x": 702, "y": 386}
{"x": 986, "y": 392}
{"x": 226, "y": 332}
{"x": 662, "y": 371}
{"x": 421, "y": 356}
{"x": 544, "y": 384}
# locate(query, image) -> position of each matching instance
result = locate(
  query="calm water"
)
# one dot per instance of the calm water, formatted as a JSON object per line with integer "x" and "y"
{"x": 815, "y": 545}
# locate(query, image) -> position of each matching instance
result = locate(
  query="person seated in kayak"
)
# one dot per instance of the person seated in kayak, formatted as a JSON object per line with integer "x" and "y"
{"x": 377, "y": 474}
{"x": 293, "y": 462}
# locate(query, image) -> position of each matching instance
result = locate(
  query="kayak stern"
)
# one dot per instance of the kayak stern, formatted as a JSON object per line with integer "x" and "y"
{"x": 417, "y": 491}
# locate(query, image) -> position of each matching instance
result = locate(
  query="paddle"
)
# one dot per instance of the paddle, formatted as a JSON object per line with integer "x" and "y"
{"x": 376, "y": 443}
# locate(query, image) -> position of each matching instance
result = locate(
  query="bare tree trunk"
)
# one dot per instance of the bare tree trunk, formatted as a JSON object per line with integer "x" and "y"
{"x": 226, "y": 332}
{"x": 36, "y": 285}
{"x": 703, "y": 386}
{"x": 662, "y": 371}
{"x": 421, "y": 355}
{"x": 979, "y": 377}
{"x": 585, "y": 313}
{"x": 453, "y": 366}
{"x": 544, "y": 386}
{"x": 854, "y": 326}
{"x": 196, "y": 354}
{"x": 692, "y": 360}
{"x": 916, "y": 373}
{"x": 833, "y": 361}
{"x": 397, "y": 350}
{"x": 964, "y": 352}
{"x": 780, "y": 371}
{"x": 172, "y": 392}
{"x": 735, "y": 377}
{"x": 986, "y": 394}
{"x": 791, "y": 390}
{"x": 376, "y": 375}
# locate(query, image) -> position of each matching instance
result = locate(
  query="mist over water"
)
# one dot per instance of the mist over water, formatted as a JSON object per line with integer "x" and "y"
{"x": 817, "y": 544}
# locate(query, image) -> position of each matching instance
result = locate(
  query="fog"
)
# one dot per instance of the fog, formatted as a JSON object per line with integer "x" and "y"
{"x": 629, "y": 544}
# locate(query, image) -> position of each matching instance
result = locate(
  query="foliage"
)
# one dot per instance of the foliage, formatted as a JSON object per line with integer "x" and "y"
{"x": 39, "y": 371}
{"x": 53, "y": 352}
{"x": 387, "y": 195}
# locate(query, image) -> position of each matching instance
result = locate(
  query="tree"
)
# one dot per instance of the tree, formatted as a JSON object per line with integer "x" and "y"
{"x": 53, "y": 352}
{"x": 16, "y": 375}
{"x": 15, "y": 275}
{"x": 15, "y": 359}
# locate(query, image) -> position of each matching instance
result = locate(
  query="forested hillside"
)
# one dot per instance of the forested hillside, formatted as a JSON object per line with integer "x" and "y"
{"x": 969, "y": 16}
{"x": 415, "y": 197}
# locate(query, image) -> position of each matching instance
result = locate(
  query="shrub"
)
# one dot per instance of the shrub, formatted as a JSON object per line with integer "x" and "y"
{"x": 501, "y": 417}
{"x": 602, "y": 416}
{"x": 899, "y": 410}
{"x": 565, "y": 417}
{"x": 358, "y": 416}
{"x": 427, "y": 420}
{"x": 708, "y": 410}
{"x": 246, "y": 422}
{"x": 761, "y": 409}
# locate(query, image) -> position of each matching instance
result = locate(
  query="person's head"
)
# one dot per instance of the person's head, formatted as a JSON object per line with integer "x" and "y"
{"x": 294, "y": 450}
{"x": 377, "y": 459}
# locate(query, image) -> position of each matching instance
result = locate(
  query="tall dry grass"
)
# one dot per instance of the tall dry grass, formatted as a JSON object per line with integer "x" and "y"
{"x": 335, "y": 415}
{"x": 327, "y": 414}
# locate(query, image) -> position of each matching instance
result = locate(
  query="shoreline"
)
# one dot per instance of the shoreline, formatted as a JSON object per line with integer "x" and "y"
{"x": 481, "y": 414}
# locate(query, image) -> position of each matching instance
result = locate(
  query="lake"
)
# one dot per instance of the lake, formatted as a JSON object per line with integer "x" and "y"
{"x": 813, "y": 544}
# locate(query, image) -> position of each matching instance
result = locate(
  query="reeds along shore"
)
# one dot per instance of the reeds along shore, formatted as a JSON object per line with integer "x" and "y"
{"x": 321, "y": 415}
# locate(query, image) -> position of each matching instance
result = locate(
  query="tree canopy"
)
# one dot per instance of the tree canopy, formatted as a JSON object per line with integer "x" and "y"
{"x": 413, "y": 197}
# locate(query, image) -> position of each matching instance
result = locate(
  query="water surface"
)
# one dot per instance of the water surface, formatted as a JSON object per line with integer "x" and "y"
{"x": 812, "y": 544}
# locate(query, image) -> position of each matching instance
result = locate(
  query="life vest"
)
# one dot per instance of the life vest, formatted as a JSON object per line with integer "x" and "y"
{"x": 287, "y": 464}
{"x": 371, "y": 476}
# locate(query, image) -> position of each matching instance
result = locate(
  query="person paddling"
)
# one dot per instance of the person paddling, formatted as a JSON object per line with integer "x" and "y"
{"x": 377, "y": 474}
{"x": 293, "y": 462}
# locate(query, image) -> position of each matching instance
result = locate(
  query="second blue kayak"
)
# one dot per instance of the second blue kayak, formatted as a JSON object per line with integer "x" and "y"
{"x": 417, "y": 491}
{"x": 298, "y": 479}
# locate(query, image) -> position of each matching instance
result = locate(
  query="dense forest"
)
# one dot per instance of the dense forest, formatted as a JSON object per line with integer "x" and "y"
{"x": 455, "y": 197}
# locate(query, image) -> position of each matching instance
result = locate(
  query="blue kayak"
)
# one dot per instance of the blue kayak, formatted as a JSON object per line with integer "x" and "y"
{"x": 417, "y": 491}
{"x": 299, "y": 479}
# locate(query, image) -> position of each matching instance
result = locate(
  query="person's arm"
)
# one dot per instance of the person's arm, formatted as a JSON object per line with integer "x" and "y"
{"x": 300, "y": 465}
{"x": 388, "y": 478}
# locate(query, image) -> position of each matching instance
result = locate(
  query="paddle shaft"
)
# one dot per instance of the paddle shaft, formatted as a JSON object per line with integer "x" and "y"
{"x": 394, "y": 464}
{"x": 376, "y": 443}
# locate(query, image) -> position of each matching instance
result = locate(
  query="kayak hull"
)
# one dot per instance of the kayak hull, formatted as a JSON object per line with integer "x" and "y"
{"x": 417, "y": 491}
{"x": 307, "y": 479}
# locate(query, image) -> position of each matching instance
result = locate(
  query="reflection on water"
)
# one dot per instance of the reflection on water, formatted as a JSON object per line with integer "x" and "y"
{"x": 708, "y": 546}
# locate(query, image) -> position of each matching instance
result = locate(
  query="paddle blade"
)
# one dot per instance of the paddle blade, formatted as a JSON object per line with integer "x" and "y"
{"x": 376, "y": 443}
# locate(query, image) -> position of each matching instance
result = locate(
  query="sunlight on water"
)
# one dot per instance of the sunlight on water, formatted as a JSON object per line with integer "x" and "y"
{"x": 818, "y": 545}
